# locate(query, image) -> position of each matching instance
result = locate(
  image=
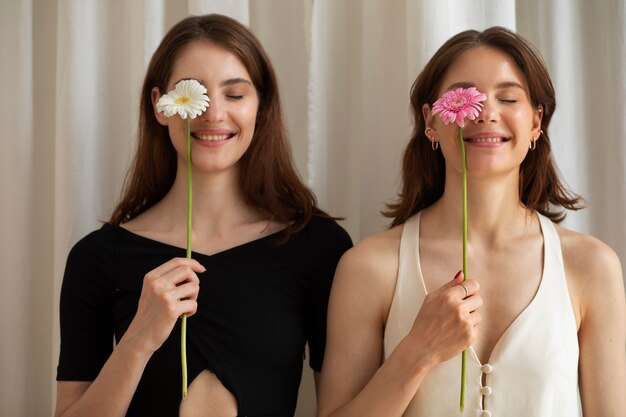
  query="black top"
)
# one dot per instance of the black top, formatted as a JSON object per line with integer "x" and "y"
{"x": 259, "y": 303}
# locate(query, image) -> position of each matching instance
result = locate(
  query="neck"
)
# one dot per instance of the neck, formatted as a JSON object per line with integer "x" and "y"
{"x": 217, "y": 203}
{"x": 494, "y": 210}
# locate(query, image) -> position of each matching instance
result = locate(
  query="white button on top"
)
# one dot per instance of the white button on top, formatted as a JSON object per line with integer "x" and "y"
{"x": 485, "y": 413}
{"x": 486, "y": 368}
{"x": 486, "y": 390}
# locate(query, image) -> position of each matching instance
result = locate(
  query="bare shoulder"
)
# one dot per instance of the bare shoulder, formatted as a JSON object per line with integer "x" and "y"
{"x": 375, "y": 256}
{"x": 367, "y": 272}
{"x": 588, "y": 255}
{"x": 592, "y": 268}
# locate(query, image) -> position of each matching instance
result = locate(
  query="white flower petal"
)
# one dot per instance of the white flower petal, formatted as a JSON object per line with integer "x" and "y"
{"x": 196, "y": 104}
{"x": 164, "y": 102}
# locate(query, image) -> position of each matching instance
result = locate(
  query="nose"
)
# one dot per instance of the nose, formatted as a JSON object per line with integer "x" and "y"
{"x": 488, "y": 113}
{"x": 215, "y": 112}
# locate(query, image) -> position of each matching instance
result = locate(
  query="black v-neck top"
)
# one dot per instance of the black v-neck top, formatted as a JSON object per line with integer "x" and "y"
{"x": 259, "y": 303}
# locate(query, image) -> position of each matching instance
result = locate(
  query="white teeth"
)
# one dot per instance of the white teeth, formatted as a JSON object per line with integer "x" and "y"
{"x": 212, "y": 137}
{"x": 490, "y": 140}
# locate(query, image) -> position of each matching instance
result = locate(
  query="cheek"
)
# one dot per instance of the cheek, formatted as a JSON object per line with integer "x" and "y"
{"x": 176, "y": 126}
{"x": 251, "y": 116}
{"x": 248, "y": 116}
{"x": 177, "y": 132}
{"x": 524, "y": 117}
{"x": 447, "y": 132}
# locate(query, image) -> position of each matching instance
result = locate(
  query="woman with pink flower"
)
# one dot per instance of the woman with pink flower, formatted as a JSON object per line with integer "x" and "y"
{"x": 547, "y": 334}
{"x": 232, "y": 317}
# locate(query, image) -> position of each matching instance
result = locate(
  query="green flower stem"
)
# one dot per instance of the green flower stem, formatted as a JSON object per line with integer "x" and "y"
{"x": 464, "y": 185}
{"x": 183, "y": 324}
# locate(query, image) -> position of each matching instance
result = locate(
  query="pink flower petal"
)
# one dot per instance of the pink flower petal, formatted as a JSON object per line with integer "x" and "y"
{"x": 459, "y": 104}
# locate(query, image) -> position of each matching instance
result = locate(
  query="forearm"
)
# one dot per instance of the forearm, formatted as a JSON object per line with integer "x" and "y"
{"x": 110, "y": 394}
{"x": 393, "y": 386}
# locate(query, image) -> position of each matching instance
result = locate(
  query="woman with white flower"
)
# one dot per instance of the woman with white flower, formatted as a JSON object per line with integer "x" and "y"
{"x": 254, "y": 288}
{"x": 552, "y": 332}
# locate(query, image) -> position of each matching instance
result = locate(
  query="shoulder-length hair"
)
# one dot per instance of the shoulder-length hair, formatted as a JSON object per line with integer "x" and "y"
{"x": 423, "y": 171}
{"x": 267, "y": 177}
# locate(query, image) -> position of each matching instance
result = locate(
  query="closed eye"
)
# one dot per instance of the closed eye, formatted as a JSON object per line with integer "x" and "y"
{"x": 234, "y": 97}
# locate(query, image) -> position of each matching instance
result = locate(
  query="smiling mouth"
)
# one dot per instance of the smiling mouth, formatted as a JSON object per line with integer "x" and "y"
{"x": 486, "y": 140}
{"x": 213, "y": 138}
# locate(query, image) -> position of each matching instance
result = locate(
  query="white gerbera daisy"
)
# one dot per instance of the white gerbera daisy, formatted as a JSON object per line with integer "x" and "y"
{"x": 188, "y": 99}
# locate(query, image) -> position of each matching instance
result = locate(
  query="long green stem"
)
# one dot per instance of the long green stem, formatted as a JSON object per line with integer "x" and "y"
{"x": 464, "y": 185}
{"x": 183, "y": 324}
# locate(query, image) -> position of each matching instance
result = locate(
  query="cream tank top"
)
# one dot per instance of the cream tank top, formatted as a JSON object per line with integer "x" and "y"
{"x": 533, "y": 369}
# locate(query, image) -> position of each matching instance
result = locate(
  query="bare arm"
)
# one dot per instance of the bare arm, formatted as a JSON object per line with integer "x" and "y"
{"x": 168, "y": 291}
{"x": 111, "y": 392}
{"x": 602, "y": 334}
{"x": 355, "y": 381}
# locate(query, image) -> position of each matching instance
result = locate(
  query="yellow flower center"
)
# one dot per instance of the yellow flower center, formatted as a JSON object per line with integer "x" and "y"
{"x": 183, "y": 100}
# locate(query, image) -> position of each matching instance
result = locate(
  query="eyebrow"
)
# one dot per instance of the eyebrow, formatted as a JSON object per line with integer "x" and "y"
{"x": 231, "y": 81}
{"x": 510, "y": 84}
{"x": 499, "y": 86}
{"x": 462, "y": 84}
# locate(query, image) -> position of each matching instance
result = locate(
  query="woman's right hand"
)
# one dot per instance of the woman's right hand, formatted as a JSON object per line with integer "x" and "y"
{"x": 168, "y": 292}
{"x": 445, "y": 324}
{"x": 360, "y": 378}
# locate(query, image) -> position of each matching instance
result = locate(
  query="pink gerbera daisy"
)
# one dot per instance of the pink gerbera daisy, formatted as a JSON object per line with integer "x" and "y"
{"x": 456, "y": 105}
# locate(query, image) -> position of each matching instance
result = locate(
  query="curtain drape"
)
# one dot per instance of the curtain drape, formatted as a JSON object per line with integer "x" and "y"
{"x": 72, "y": 72}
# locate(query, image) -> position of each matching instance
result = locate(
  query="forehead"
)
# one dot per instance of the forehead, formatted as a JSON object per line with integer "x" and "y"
{"x": 207, "y": 62}
{"x": 483, "y": 67}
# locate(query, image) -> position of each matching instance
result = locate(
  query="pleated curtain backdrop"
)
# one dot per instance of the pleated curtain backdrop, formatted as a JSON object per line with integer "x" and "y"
{"x": 72, "y": 71}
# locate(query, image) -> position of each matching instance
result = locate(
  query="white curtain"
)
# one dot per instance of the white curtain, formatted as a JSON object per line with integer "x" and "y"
{"x": 72, "y": 70}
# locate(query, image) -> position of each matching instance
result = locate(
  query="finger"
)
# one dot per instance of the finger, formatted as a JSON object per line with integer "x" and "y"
{"x": 462, "y": 290}
{"x": 472, "y": 286}
{"x": 475, "y": 318}
{"x": 473, "y": 302}
{"x": 179, "y": 276}
{"x": 458, "y": 278}
{"x": 176, "y": 263}
{"x": 164, "y": 285}
{"x": 188, "y": 307}
{"x": 186, "y": 291}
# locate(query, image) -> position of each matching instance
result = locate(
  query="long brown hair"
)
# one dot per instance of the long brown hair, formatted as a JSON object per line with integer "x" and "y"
{"x": 267, "y": 177}
{"x": 423, "y": 171}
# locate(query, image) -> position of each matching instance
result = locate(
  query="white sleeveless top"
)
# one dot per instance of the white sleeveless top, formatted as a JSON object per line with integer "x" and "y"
{"x": 533, "y": 369}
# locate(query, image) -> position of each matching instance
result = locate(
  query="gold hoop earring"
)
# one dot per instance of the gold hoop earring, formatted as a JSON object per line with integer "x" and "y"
{"x": 533, "y": 141}
{"x": 433, "y": 143}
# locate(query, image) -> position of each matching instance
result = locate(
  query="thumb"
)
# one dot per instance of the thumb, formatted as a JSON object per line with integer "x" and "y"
{"x": 458, "y": 278}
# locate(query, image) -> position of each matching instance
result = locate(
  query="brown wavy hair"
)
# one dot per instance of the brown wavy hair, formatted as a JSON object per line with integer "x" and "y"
{"x": 267, "y": 177}
{"x": 423, "y": 171}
